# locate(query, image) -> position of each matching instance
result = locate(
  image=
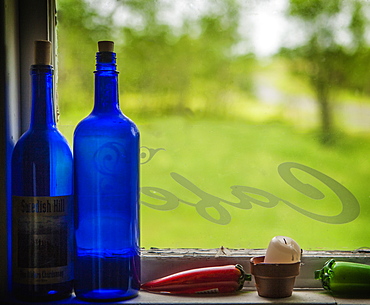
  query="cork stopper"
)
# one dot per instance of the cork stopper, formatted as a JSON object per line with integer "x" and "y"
{"x": 42, "y": 52}
{"x": 106, "y": 46}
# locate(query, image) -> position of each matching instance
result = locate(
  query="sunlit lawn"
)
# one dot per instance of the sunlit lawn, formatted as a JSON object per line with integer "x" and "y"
{"x": 194, "y": 163}
{"x": 215, "y": 155}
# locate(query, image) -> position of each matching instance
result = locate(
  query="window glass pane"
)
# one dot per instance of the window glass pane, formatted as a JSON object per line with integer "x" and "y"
{"x": 254, "y": 115}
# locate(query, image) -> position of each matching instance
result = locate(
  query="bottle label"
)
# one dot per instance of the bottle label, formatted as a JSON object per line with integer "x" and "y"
{"x": 42, "y": 240}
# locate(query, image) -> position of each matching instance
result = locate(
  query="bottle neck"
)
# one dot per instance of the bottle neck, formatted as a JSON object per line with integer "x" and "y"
{"x": 42, "y": 113}
{"x": 106, "y": 83}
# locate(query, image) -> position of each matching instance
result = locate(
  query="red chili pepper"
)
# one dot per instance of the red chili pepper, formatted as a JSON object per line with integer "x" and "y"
{"x": 219, "y": 279}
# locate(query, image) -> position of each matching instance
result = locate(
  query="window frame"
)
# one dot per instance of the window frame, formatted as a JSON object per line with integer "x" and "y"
{"x": 161, "y": 262}
{"x": 22, "y": 22}
{"x": 29, "y": 20}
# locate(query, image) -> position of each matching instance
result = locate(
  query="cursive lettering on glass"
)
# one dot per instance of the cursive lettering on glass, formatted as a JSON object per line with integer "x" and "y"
{"x": 212, "y": 208}
{"x": 350, "y": 206}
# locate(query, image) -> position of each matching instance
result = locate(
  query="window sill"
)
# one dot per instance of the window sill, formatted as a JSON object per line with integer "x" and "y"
{"x": 246, "y": 297}
{"x": 160, "y": 262}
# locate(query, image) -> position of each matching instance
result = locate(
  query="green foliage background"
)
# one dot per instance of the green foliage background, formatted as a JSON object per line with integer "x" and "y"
{"x": 196, "y": 100}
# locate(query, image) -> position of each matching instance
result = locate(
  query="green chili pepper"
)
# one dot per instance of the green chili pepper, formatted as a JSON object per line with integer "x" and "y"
{"x": 345, "y": 278}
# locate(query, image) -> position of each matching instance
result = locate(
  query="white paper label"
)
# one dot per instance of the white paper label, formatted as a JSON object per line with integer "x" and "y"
{"x": 42, "y": 243}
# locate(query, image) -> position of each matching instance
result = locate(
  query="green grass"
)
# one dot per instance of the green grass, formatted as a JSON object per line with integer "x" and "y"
{"x": 215, "y": 155}
{"x": 201, "y": 157}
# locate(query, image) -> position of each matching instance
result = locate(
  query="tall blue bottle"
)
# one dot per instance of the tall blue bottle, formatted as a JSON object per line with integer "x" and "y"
{"x": 42, "y": 203}
{"x": 106, "y": 158}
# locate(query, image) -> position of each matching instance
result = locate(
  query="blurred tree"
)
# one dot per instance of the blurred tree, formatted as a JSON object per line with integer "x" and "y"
{"x": 214, "y": 65}
{"x": 196, "y": 62}
{"x": 329, "y": 61}
{"x": 79, "y": 29}
{"x": 169, "y": 67}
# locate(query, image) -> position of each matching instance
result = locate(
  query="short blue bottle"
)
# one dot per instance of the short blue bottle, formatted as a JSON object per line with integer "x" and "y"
{"x": 42, "y": 197}
{"x": 106, "y": 162}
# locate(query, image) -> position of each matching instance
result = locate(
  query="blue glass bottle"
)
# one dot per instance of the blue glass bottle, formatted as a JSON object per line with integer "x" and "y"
{"x": 42, "y": 203}
{"x": 106, "y": 158}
